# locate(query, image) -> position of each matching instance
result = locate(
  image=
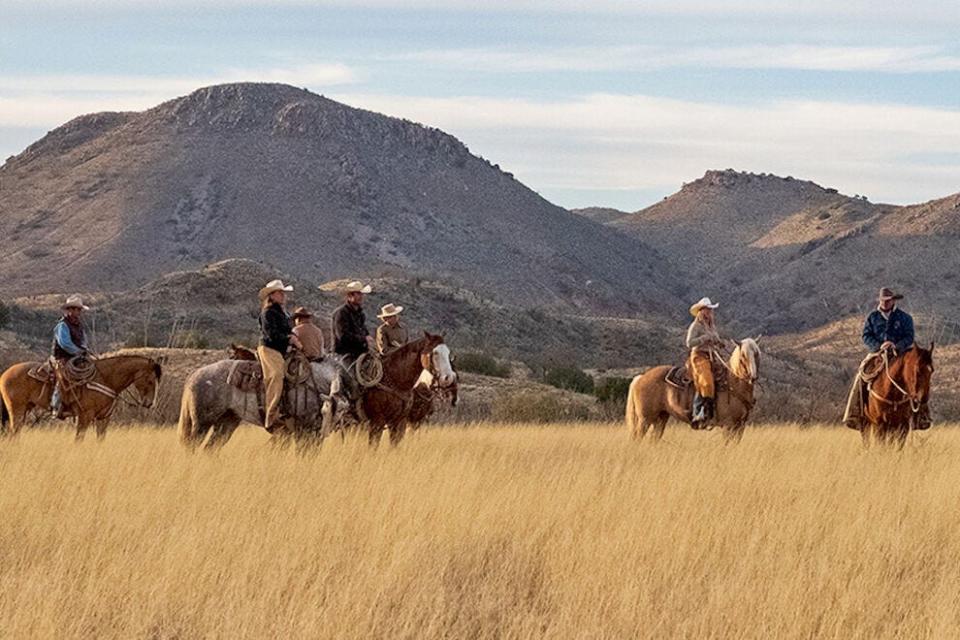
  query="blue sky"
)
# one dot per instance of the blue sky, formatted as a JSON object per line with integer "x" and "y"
{"x": 610, "y": 102}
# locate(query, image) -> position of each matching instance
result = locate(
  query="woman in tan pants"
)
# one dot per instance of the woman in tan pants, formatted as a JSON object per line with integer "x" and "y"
{"x": 702, "y": 340}
{"x": 276, "y": 339}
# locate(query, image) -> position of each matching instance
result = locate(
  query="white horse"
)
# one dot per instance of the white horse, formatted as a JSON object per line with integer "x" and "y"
{"x": 212, "y": 405}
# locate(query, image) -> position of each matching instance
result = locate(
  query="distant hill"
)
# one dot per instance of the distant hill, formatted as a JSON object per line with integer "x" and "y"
{"x": 787, "y": 255}
{"x": 603, "y": 215}
{"x": 269, "y": 172}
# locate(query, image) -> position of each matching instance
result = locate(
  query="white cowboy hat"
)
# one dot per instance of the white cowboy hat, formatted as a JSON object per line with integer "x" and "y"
{"x": 390, "y": 310}
{"x": 357, "y": 287}
{"x": 702, "y": 303}
{"x": 74, "y": 302}
{"x": 272, "y": 286}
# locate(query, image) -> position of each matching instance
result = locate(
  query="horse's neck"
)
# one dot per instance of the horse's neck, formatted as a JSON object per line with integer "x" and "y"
{"x": 403, "y": 369}
{"x": 425, "y": 379}
{"x": 739, "y": 365}
{"x": 118, "y": 373}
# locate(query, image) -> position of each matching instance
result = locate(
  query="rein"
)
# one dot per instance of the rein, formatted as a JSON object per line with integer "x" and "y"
{"x": 914, "y": 403}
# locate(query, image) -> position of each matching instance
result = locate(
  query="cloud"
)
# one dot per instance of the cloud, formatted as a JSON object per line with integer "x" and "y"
{"x": 902, "y": 59}
{"x": 643, "y": 143}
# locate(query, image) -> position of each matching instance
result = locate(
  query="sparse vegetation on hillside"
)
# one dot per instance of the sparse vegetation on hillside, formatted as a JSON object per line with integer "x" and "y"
{"x": 4, "y": 314}
{"x": 481, "y": 363}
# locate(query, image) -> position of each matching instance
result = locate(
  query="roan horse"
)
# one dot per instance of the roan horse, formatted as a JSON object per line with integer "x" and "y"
{"x": 389, "y": 404}
{"x": 895, "y": 397}
{"x": 91, "y": 401}
{"x": 212, "y": 405}
{"x": 651, "y": 400}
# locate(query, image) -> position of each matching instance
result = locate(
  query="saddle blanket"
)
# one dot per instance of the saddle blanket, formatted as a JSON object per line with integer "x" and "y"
{"x": 679, "y": 376}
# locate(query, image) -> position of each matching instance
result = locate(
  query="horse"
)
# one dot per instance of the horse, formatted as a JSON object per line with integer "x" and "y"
{"x": 388, "y": 404}
{"x": 239, "y": 352}
{"x": 91, "y": 401}
{"x": 212, "y": 405}
{"x": 896, "y": 395}
{"x": 426, "y": 393}
{"x": 651, "y": 400}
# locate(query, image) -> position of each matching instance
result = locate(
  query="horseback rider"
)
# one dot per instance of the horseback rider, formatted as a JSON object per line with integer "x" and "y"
{"x": 276, "y": 339}
{"x": 887, "y": 331}
{"x": 702, "y": 340}
{"x": 310, "y": 335}
{"x": 351, "y": 338}
{"x": 391, "y": 335}
{"x": 69, "y": 341}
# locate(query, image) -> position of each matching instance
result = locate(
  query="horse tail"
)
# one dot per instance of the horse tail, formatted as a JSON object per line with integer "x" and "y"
{"x": 632, "y": 409}
{"x": 188, "y": 423}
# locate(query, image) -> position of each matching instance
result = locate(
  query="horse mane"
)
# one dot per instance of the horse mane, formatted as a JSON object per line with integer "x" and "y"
{"x": 749, "y": 351}
{"x": 414, "y": 345}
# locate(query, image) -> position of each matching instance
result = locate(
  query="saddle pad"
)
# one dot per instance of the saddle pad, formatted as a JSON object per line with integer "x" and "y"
{"x": 246, "y": 375}
{"x": 678, "y": 377}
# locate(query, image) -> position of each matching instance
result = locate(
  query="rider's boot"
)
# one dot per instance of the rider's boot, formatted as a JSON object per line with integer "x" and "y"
{"x": 56, "y": 404}
{"x": 709, "y": 410}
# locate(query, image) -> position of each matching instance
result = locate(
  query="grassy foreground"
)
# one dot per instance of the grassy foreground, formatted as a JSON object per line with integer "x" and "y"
{"x": 486, "y": 532}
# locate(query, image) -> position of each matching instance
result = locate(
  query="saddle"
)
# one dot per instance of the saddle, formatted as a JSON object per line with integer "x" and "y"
{"x": 246, "y": 376}
{"x": 44, "y": 372}
{"x": 680, "y": 378}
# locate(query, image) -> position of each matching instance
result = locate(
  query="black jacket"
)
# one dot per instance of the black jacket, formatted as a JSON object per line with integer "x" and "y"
{"x": 350, "y": 331}
{"x": 275, "y": 328}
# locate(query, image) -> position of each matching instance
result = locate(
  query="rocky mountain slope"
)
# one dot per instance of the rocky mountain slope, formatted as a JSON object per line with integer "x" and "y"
{"x": 269, "y": 172}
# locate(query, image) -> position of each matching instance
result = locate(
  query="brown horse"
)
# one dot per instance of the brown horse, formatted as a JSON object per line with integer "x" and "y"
{"x": 388, "y": 404}
{"x": 652, "y": 401}
{"x": 896, "y": 396}
{"x": 91, "y": 402}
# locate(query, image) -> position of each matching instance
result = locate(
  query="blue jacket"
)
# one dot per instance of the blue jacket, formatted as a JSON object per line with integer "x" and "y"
{"x": 68, "y": 340}
{"x": 897, "y": 328}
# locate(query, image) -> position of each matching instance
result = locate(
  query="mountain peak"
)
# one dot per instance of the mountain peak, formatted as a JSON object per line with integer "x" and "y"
{"x": 733, "y": 179}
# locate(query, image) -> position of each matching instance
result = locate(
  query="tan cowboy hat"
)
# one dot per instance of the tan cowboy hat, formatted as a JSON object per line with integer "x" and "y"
{"x": 888, "y": 294}
{"x": 390, "y": 309}
{"x": 357, "y": 287}
{"x": 702, "y": 303}
{"x": 75, "y": 302}
{"x": 302, "y": 312}
{"x": 272, "y": 286}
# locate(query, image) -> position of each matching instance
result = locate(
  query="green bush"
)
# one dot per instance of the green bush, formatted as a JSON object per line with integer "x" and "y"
{"x": 529, "y": 406}
{"x": 569, "y": 378}
{"x": 4, "y": 315}
{"x": 613, "y": 389}
{"x": 482, "y": 364}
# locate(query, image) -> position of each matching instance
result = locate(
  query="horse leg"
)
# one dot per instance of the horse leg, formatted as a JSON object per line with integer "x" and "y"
{"x": 733, "y": 434}
{"x": 376, "y": 431}
{"x": 101, "y": 425}
{"x": 397, "y": 431}
{"x": 221, "y": 432}
{"x": 83, "y": 421}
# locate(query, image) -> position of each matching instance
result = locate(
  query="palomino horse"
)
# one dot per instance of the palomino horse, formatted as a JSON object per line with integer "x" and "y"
{"x": 651, "y": 400}
{"x": 896, "y": 395}
{"x": 91, "y": 401}
{"x": 212, "y": 405}
{"x": 388, "y": 404}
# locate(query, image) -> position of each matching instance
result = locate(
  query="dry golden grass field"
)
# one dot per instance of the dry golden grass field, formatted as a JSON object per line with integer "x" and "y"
{"x": 482, "y": 532}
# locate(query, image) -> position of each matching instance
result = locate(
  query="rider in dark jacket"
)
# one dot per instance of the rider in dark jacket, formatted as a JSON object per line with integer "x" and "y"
{"x": 351, "y": 338}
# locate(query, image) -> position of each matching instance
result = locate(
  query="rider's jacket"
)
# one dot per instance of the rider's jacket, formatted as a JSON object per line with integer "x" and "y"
{"x": 897, "y": 327}
{"x": 275, "y": 328}
{"x": 350, "y": 331}
{"x": 69, "y": 339}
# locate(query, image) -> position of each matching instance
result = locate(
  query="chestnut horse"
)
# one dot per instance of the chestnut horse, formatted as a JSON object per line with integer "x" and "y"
{"x": 388, "y": 404}
{"x": 895, "y": 397}
{"x": 91, "y": 402}
{"x": 651, "y": 400}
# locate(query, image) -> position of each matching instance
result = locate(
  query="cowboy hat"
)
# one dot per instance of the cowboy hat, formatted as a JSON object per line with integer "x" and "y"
{"x": 273, "y": 286}
{"x": 389, "y": 310}
{"x": 703, "y": 303}
{"x": 888, "y": 294}
{"x": 74, "y": 302}
{"x": 357, "y": 287}
{"x": 302, "y": 312}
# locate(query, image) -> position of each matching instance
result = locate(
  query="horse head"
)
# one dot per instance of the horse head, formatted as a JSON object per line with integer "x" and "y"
{"x": 917, "y": 373}
{"x": 147, "y": 382}
{"x": 745, "y": 360}
{"x": 435, "y": 358}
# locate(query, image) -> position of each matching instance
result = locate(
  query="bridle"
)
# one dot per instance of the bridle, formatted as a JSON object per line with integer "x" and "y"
{"x": 915, "y": 403}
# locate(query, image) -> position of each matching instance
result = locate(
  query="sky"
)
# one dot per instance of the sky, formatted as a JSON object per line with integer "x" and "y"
{"x": 604, "y": 103}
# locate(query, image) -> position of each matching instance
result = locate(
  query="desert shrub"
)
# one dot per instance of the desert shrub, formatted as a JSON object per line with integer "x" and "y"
{"x": 570, "y": 378}
{"x": 4, "y": 314}
{"x": 189, "y": 340}
{"x": 529, "y": 406}
{"x": 481, "y": 363}
{"x": 612, "y": 389}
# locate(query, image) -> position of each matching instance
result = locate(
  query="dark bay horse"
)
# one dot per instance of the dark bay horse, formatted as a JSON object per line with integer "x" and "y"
{"x": 91, "y": 401}
{"x": 388, "y": 404}
{"x": 651, "y": 400}
{"x": 895, "y": 397}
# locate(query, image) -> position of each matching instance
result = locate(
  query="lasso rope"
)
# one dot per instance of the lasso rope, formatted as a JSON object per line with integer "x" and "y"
{"x": 369, "y": 370}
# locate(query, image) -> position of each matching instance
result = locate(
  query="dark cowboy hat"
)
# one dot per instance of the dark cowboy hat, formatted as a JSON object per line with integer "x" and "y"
{"x": 888, "y": 294}
{"x": 302, "y": 312}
